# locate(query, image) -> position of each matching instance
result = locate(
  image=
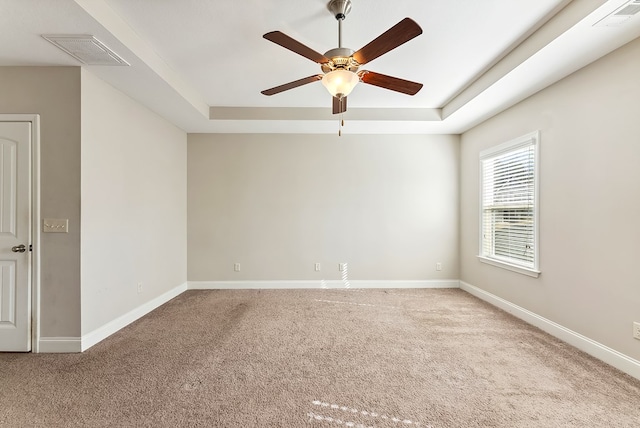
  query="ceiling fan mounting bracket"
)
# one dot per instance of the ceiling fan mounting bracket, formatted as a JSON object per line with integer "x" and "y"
{"x": 339, "y": 8}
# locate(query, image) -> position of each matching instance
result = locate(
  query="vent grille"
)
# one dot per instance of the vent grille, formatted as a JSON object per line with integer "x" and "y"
{"x": 86, "y": 49}
{"x": 620, "y": 15}
{"x": 628, "y": 10}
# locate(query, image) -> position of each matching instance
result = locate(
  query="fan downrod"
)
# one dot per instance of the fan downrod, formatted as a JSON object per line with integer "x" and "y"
{"x": 341, "y": 57}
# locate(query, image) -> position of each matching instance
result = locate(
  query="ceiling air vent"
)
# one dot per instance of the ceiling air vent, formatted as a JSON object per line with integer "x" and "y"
{"x": 86, "y": 49}
{"x": 620, "y": 15}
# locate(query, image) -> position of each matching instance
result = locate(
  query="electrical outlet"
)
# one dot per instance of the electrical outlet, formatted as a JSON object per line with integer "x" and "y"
{"x": 438, "y": 266}
{"x": 317, "y": 267}
{"x": 236, "y": 267}
{"x": 139, "y": 287}
{"x": 636, "y": 330}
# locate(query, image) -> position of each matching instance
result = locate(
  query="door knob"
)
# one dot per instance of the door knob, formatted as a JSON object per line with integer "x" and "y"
{"x": 19, "y": 248}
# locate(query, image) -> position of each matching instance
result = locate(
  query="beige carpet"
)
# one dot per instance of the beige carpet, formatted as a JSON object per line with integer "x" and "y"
{"x": 320, "y": 358}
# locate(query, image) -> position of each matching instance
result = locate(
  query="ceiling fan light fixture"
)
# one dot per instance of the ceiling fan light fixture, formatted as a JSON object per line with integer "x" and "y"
{"x": 340, "y": 83}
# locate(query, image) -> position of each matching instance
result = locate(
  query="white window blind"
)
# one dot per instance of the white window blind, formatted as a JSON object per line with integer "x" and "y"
{"x": 509, "y": 198}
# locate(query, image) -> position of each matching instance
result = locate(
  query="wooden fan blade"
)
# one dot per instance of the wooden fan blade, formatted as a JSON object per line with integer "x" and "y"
{"x": 339, "y": 105}
{"x": 400, "y": 33}
{"x": 389, "y": 82}
{"x": 293, "y": 45}
{"x": 292, "y": 85}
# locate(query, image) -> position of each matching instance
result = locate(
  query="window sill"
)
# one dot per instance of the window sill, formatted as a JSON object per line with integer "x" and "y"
{"x": 514, "y": 268}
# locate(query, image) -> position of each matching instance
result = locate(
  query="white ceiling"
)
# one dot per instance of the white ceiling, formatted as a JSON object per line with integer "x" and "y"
{"x": 475, "y": 58}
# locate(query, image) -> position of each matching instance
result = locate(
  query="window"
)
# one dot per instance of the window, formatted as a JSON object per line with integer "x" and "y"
{"x": 509, "y": 200}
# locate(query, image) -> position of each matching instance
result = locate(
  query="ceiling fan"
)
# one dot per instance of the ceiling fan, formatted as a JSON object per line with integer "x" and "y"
{"x": 340, "y": 65}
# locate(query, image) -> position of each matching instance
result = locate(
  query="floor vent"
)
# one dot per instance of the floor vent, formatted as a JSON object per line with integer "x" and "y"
{"x": 620, "y": 15}
{"x": 86, "y": 49}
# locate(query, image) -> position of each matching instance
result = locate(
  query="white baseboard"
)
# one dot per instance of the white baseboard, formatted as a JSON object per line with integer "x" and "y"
{"x": 59, "y": 344}
{"x": 610, "y": 356}
{"x": 319, "y": 284}
{"x": 101, "y": 333}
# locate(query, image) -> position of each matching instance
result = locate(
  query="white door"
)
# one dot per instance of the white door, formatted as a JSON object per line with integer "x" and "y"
{"x": 15, "y": 239}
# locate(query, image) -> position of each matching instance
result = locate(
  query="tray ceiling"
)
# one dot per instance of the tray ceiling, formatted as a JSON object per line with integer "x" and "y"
{"x": 202, "y": 64}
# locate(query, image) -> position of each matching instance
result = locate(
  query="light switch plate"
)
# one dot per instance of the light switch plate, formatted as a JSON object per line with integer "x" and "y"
{"x": 55, "y": 225}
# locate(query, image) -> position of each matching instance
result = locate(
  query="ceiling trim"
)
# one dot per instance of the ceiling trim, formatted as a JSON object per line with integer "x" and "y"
{"x": 321, "y": 113}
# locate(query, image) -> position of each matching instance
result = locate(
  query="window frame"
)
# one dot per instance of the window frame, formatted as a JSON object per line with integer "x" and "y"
{"x": 532, "y": 138}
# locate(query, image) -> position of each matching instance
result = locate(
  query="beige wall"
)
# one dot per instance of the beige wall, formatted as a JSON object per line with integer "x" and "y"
{"x": 134, "y": 186}
{"x": 54, "y": 94}
{"x": 277, "y": 204}
{"x": 589, "y": 201}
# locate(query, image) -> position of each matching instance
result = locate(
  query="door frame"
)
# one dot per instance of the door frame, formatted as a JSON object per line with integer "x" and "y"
{"x": 34, "y": 172}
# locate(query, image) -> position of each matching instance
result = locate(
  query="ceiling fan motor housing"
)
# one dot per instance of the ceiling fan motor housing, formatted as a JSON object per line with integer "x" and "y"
{"x": 341, "y": 59}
